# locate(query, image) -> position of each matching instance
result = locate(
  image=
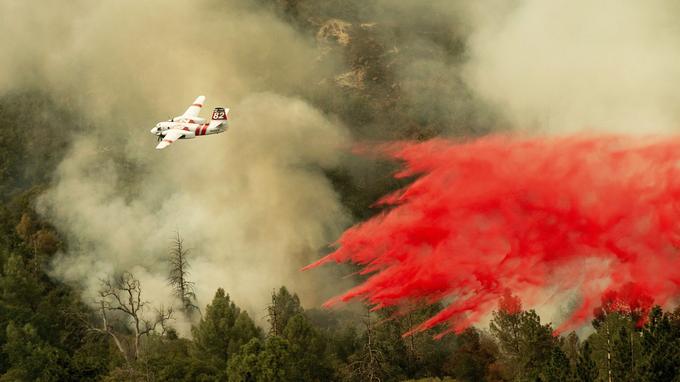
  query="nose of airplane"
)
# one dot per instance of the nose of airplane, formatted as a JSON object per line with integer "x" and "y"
{"x": 153, "y": 131}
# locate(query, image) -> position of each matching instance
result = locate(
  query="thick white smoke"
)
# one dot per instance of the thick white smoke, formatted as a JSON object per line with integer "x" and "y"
{"x": 572, "y": 66}
{"x": 252, "y": 204}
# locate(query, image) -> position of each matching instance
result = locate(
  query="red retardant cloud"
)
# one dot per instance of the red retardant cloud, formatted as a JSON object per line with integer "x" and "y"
{"x": 597, "y": 217}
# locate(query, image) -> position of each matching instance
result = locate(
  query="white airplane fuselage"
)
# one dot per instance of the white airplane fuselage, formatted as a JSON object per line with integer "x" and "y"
{"x": 189, "y": 125}
{"x": 189, "y": 130}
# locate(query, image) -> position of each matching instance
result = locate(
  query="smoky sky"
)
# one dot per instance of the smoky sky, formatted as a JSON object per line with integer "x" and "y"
{"x": 255, "y": 204}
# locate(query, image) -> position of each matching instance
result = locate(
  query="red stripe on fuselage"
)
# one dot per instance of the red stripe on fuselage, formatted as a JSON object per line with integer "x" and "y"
{"x": 205, "y": 127}
{"x": 196, "y": 104}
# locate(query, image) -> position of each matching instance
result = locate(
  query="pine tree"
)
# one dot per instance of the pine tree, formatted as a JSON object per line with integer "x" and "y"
{"x": 526, "y": 343}
{"x": 223, "y": 329}
{"x": 268, "y": 362}
{"x": 388, "y": 334}
{"x": 623, "y": 344}
{"x": 244, "y": 365}
{"x": 586, "y": 370}
{"x": 31, "y": 358}
{"x": 614, "y": 344}
{"x": 38, "y": 314}
{"x": 571, "y": 346}
{"x": 425, "y": 355}
{"x": 20, "y": 288}
{"x": 660, "y": 359}
{"x": 558, "y": 368}
{"x": 470, "y": 360}
{"x": 283, "y": 306}
{"x": 308, "y": 350}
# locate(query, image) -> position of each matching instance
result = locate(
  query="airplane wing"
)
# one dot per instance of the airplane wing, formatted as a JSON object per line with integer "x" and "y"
{"x": 169, "y": 138}
{"x": 195, "y": 108}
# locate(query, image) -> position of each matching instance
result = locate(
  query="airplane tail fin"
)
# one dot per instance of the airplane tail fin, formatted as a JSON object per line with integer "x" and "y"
{"x": 219, "y": 117}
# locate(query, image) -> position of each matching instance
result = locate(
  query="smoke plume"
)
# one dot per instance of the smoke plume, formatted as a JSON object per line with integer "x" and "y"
{"x": 569, "y": 66}
{"x": 253, "y": 204}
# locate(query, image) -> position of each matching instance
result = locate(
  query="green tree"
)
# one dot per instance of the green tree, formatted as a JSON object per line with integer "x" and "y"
{"x": 571, "y": 346}
{"x": 92, "y": 357}
{"x": 223, "y": 329}
{"x": 308, "y": 349}
{"x": 615, "y": 345}
{"x": 44, "y": 313}
{"x": 428, "y": 353}
{"x": 20, "y": 288}
{"x": 258, "y": 362}
{"x": 338, "y": 328}
{"x": 586, "y": 370}
{"x": 525, "y": 343}
{"x": 388, "y": 331}
{"x": 471, "y": 359}
{"x": 417, "y": 354}
{"x": 558, "y": 368}
{"x": 243, "y": 366}
{"x": 31, "y": 358}
{"x": 623, "y": 351}
{"x": 283, "y": 306}
{"x": 660, "y": 360}
{"x": 168, "y": 358}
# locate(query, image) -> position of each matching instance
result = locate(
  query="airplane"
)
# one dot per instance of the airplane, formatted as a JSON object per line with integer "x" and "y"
{"x": 189, "y": 125}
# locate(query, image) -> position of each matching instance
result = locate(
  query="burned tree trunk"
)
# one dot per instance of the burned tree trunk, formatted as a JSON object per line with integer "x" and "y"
{"x": 368, "y": 365}
{"x": 179, "y": 277}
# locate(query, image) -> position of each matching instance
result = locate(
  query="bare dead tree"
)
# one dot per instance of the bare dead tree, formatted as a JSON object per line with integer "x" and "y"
{"x": 163, "y": 316}
{"x": 413, "y": 353}
{"x": 368, "y": 365}
{"x": 103, "y": 326}
{"x": 120, "y": 306}
{"x": 179, "y": 276}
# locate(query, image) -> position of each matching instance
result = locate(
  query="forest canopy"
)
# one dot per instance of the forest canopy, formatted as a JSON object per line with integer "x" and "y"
{"x": 120, "y": 263}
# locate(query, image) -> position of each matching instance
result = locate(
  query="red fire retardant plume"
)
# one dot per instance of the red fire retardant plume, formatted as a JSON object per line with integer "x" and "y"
{"x": 564, "y": 221}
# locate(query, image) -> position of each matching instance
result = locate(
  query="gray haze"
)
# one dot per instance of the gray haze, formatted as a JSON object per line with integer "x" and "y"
{"x": 253, "y": 204}
{"x": 570, "y": 66}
